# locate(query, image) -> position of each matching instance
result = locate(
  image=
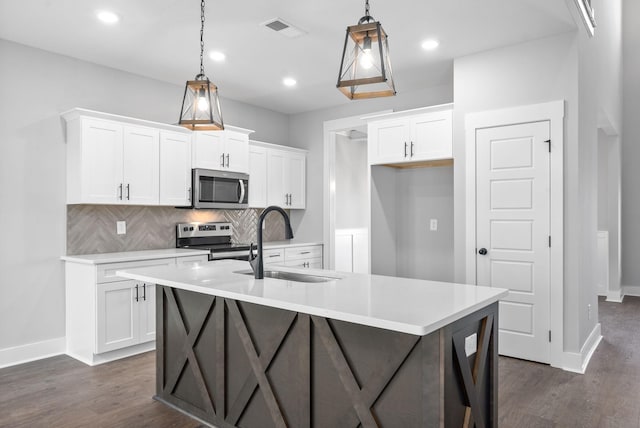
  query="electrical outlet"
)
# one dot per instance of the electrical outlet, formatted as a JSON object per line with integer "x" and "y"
{"x": 471, "y": 344}
{"x": 121, "y": 227}
{"x": 433, "y": 225}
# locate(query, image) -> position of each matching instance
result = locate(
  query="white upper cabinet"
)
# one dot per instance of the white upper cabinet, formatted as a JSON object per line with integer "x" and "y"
{"x": 175, "y": 169}
{"x": 286, "y": 182}
{"x": 411, "y": 137}
{"x": 226, "y": 150}
{"x": 116, "y": 160}
{"x": 140, "y": 160}
{"x": 257, "y": 176}
{"x": 277, "y": 176}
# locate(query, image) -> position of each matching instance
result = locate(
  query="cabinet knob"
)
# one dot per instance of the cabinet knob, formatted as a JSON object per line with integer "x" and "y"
{"x": 482, "y": 251}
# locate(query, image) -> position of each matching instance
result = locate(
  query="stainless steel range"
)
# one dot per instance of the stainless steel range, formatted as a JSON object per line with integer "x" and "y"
{"x": 215, "y": 237}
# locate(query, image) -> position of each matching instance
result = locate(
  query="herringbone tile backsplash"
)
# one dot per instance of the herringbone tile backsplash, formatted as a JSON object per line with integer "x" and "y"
{"x": 91, "y": 229}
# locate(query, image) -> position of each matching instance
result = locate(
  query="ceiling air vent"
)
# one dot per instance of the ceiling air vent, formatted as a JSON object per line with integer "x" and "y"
{"x": 282, "y": 27}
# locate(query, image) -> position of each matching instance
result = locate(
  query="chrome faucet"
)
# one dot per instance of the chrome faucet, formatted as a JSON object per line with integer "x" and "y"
{"x": 256, "y": 261}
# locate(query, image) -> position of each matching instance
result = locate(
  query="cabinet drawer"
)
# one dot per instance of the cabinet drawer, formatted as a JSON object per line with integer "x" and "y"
{"x": 314, "y": 263}
{"x": 273, "y": 256}
{"x": 191, "y": 260}
{"x": 310, "y": 252}
{"x": 107, "y": 272}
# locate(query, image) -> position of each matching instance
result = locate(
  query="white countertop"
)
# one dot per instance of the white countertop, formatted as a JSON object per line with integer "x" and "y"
{"x": 406, "y": 305}
{"x": 288, "y": 244}
{"x": 132, "y": 256}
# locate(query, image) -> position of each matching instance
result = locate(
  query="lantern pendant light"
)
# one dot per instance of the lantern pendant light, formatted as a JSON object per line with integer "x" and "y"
{"x": 365, "y": 69}
{"x": 200, "y": 104}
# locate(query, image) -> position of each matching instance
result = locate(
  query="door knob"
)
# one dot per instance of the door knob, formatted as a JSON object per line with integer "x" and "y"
{"x": 482, "y": 251}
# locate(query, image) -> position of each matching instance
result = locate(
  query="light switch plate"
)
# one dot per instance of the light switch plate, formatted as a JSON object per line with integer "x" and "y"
{"x": 433, "y": 224}
{"x": 121, "y": 227}
{"x": 471, "y": 344}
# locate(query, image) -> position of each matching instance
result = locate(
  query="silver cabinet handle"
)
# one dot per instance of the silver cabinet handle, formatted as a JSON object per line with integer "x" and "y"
{"x": 128, "y": 191}
{"x": 222, "y": 160}
{"x": 405, "y": 149}
{"x": 227, "y": 160}
{"x": 137, "y": 293}
{"x": 189, "y": 193}
{"x": 274, "y": 255}
{"x": 286, "y": 199}
{"x": 242, "y": 191}
{"x": 290, "y": 199}
{"x": 305, "y": 252}
{"x": 412, "y": 149}
{"x": 120, "y": 191}
{"x": 144, "y": 291}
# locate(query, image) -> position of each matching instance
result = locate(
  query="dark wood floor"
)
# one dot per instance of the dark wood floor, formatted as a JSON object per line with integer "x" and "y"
{"x": 61, "y": 392}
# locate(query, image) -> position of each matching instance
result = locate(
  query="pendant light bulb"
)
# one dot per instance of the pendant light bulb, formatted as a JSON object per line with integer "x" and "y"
{"x": 203, "y": 103}
{"x": 366, "y": 61}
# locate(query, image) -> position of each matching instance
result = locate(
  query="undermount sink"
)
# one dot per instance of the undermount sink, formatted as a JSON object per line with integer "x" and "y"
{"x": 291, "y": 276}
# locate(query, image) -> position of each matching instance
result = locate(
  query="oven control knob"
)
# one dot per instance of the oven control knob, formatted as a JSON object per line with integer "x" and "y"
{"x": 185, "y": 228}
{"x": 190, "y": 227}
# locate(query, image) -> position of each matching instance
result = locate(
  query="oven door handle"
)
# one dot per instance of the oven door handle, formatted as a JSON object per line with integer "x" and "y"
{"x": 242, "y": 191}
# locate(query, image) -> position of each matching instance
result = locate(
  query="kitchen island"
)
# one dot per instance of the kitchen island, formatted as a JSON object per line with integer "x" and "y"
{"x": 352, "y": 350}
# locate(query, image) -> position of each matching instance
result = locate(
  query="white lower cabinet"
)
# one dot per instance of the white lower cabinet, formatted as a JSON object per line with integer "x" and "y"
{"x": 309, "y": 257}
{"x": 125, "y": 314}
{"x": 107, "y": 317}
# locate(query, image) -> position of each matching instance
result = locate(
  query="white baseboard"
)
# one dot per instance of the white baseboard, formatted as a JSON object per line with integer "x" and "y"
{"x": 96, "y": 359}
{"x": 631, "y": 290}
{"x": 578, "y": 362}
{"x": 31, "y": 352}
{"x": 616, "y": 296}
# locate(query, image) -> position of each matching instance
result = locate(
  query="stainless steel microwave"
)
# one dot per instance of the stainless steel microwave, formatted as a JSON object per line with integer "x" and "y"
{"x": 219, "y": 189}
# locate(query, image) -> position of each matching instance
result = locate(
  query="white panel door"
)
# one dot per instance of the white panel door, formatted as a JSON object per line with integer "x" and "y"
{"x": 257, "y": 177}
{"x": 175, "y": 169}
{"x": 295, "y": 179}
{"x": 276, "y": 190}
{"x": 117, "y": 316}
{"x": 141, "y": 166}
{"x": 101, "y": 161}
{"x": 512, "y": 232}
{"x": 236, "y": 151}
{"x": 147, "y": 313}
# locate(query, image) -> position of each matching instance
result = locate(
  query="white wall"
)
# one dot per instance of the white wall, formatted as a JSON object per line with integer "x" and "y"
{"x": 603, "y": 181}
{"x": 631, "y": 145}
{"x": 35, "y": 87}
{"x": 306, "y": 131}
{"x": 351, "y": 183}
{"x": 424, "y": 194}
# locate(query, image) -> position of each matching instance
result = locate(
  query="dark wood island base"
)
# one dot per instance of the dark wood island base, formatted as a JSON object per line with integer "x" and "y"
{"x": 235, "y": 364}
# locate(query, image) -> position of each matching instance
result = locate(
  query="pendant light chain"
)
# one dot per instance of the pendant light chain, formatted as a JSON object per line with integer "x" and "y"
{"x": 366, "y": 9}
{"x": 202, "y": 38}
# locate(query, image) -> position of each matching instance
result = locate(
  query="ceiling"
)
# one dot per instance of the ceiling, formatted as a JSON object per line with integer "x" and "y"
{"x": 160, "y": 39}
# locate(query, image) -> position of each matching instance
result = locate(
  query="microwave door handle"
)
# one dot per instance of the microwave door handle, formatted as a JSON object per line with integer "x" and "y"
{"x": 242, "y": 191}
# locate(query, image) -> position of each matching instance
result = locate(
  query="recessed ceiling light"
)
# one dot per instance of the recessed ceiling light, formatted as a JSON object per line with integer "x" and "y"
{"x": 289, "y": 81}
{"x": 430, "y": 44}
{"x": 107, "y": 17}
{"x": 217, "y": 56}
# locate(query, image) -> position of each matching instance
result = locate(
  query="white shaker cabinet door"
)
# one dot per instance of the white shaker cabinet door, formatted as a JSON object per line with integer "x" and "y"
{"x": 208, "y": 150}
{"x": 141, "y": 155}
{"x": 295, "y": 178}
{"x": 236, "y": 151}
{"x": 117, "y": 315}
{"x": 101, "y": 170}
{"x": 389, "y": 141}
{"x": 147, "y": 314}
{"x": 175, "y": 169}
{"x": 277, "y": 190}
{"x": 257, "y": 177}
{"x": 432, "y": 136}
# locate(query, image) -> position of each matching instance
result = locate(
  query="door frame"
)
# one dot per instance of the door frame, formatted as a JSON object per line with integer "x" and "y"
{"x": 553, "y": 112}
{"x": 330, "y": 127}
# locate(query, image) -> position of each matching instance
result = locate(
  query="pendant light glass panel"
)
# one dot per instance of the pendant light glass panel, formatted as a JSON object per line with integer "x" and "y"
{"x": 201, "y": 106}
{"x": 365, "y": 70}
